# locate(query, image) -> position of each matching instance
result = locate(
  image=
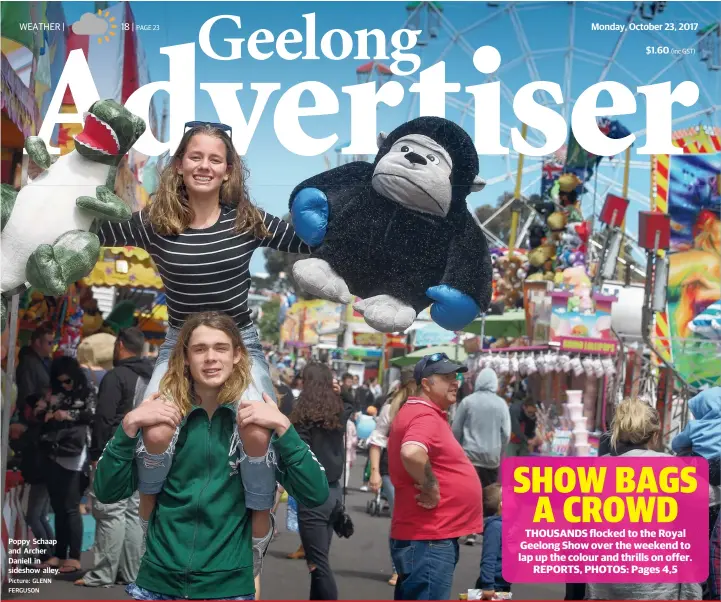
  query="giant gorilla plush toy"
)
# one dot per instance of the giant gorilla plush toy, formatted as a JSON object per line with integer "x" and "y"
{"x": 397, "y": 232}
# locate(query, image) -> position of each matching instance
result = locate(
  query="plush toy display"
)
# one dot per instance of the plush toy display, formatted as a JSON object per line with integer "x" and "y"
{"x": 509, "y": 272}
{"x": 47, "y": 239}
{"x": 563, "y": 242}
{"x": 397, "y": 233}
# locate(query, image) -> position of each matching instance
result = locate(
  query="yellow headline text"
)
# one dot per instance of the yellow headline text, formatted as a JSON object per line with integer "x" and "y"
{"x": 640, "y": 495}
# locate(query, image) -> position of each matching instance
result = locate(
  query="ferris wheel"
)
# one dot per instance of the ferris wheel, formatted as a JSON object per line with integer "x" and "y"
{"x": 555, "y": 41}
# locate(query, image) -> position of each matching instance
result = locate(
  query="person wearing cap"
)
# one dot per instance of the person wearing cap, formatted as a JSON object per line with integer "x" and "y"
{"x": 438, "y": 496}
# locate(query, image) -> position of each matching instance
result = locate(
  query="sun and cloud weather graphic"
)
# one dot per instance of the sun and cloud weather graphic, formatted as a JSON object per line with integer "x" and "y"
{"x": 100, "y": 25}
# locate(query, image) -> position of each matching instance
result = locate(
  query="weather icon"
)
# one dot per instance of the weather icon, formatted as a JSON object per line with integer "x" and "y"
{"x": 100, "y": 24}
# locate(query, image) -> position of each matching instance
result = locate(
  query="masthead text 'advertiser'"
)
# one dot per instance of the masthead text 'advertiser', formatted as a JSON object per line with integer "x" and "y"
{"x": 337, "y": 44}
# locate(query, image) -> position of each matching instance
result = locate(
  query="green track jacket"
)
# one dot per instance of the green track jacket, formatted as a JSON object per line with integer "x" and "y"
{"x": 199, "y": 535}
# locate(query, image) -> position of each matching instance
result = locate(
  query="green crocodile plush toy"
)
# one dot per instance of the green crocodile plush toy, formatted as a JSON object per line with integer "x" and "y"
{"x": 47, "y": 238}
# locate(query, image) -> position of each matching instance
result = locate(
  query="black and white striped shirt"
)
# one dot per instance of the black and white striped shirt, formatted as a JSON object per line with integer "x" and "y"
{"x": 204, "y": 270}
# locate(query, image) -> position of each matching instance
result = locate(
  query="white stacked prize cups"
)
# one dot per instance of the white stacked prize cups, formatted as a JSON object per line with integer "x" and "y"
{"x": 578, "y": 421}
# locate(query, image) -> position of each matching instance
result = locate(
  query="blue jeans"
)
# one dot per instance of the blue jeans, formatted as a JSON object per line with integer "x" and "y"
{"x": 389, "y": 491}
{"x": 425, "y": 568}
{"x": 140, "y": 593}
{"x": 258, "y": 474}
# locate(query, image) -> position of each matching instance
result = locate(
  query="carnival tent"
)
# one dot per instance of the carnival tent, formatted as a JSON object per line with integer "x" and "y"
{"x": 454, "y": 352}
{"x": 511, "y": 324}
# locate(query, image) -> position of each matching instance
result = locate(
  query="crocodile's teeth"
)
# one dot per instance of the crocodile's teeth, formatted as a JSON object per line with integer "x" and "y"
{"x": 87, "y": 144}
{"x": 112, "y": 132}
{"x": 107, "y": 127}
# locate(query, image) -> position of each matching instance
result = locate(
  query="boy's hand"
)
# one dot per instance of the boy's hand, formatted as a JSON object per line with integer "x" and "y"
{"x": 488, "y": 594}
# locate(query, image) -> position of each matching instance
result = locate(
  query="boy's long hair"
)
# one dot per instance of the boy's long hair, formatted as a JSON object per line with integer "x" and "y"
{"x": 170, "y": 214}
{"x": 177, "y": 384}
{"x": 318, "y": 404}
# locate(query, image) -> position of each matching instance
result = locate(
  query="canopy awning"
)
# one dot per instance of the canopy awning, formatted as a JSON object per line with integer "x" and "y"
{"x": 124, "y": 266}
{"x": 511, "y": 324}
{"x": 456, "y": 353}
{"x": 18, "y": 101}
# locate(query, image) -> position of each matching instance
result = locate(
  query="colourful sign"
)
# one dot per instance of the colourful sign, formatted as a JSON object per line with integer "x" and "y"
{"x": 595, "y": 346}
{"x": 351, "y": 314}
{"x": 605, "y": 520}
{"x": 688, "y": 188}
{"x": 368, "y": 339}
{"x": 396, "y": 340}
{"x": 312, "y": 322}
{"x": 576, "y": 320}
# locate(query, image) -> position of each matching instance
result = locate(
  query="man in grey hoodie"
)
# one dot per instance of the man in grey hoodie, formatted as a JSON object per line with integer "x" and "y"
{"x": 482, "y": 426}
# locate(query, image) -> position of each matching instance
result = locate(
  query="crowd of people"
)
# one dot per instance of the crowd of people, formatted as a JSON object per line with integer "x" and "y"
{"x": 61, "y": 423}
{"x": 74, "y": 429}
{"x": 184, "y": 458}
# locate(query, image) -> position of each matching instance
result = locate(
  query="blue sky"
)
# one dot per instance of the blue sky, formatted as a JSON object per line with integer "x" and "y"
{"x": 542, "y": 28}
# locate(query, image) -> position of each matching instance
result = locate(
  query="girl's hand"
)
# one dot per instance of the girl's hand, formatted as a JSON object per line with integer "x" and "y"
{"x": 375, "y": 482}
{"x": 61, "y": 415}
{"x": 154, "y": 410}
{"x": 263, "y": 413}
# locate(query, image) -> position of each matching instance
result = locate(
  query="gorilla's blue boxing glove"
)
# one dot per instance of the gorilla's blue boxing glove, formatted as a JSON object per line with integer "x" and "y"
{"x": 309, "y": 214}
{"x": 452, "y": 309}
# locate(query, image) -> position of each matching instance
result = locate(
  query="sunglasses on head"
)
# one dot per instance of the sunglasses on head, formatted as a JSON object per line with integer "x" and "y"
{"x": 431, "y": 359}
{"x": 220, "y": 126}
{"x": 436, "y": 357}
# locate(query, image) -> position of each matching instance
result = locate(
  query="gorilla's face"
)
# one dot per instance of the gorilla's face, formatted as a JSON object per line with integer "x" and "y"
{"x": 416, "y": 173}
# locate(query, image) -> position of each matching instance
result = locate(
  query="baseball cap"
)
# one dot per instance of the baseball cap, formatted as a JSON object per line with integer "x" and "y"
{"x": 438, "y": 363}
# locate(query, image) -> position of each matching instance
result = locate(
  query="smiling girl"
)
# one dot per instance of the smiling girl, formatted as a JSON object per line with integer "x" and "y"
{"x": 201, "y": 230}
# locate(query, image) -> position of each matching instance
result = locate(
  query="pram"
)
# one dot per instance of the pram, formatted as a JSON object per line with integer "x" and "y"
{"x": 378, "y": 504}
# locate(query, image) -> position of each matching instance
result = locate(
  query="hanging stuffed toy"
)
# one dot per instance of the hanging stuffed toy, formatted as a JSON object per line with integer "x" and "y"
{"x": 47, "y": 239}
{"x": 568, "y": 185}
{"x": 510, "y": 270}
{"x": 397, "y": 233}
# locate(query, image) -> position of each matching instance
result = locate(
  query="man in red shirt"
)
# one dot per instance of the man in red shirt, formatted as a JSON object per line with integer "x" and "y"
{"x": 438, "y": 494}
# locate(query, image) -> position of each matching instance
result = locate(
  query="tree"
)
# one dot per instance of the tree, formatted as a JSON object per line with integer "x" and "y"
{"x": 279, "y": 266}
{"x": 500, "y": 225}
{"x": 268, "y": 324}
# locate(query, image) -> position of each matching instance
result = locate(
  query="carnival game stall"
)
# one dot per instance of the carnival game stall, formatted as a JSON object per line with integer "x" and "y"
{"x": 549, "y": 371}
{"x": 552, "y": 328}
